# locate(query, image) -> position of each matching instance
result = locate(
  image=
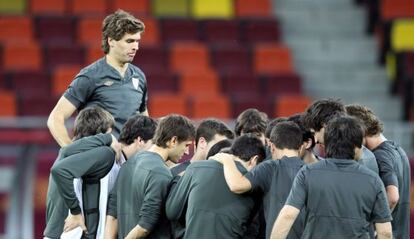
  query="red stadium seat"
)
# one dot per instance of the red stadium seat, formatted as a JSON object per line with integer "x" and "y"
{"x": 392, "y": 9}
{"x": 260, "y": 30}
{"x": 93, "y": 53}
{"x": 22, "y": 57}
{"x": 89, "y": 31}
{"x": 30, "y": 82}
{"x": 175, "y": 29}
{"x": 199, "y": 83}
{"x": 63, "y": 55}
{"x": 221, "y": 31}
{"x": 48, "y": 7}
{"x": 217, "y": 106}
{"x": 152, "y": 58}
{"x": 163, "y": 104}
{"x": 241, "y": 84}
{"x": 62, "y": 77}
{"x": 88, "y": 8}
{"x": 288, "y": 105}
{"x": 8, "y": 104}
{"x": 56, "y": 30}
{"x": 279, "y": 84}
{"x": 231, "y": 58}
{"x": 257, "y": 8}
{"x": 272, "y": 58}
{"x": 161, "y": 82}
{"x": 151, "y": 36}
{"x": 241, "y": 103}
{"x": 16, "y": 29}
{"x": 140, "y": 7}
{"x": 189, "y": 57}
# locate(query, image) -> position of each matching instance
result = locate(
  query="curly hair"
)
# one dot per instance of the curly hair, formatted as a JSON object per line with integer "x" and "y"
{"x": 372, "y": 125}
{"x": 116, "y": 25}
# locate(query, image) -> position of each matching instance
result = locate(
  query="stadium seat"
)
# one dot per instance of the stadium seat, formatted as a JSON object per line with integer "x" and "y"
{"x": 63, "y": 55}
{"x": 30, "y": 82}
{"x": 199, "y": 83}
{"x": 220, "y": 31}
{"x": 272, "y": 58}
{"x": 257, "y": 8}
{"x": 13, "y": 7}
{"x": 93, "y": 53}
{"x": 201, "y": 9}
{"x": 139, "y": 8}
{"x": 260, "y": 30}
{"x": 170, "y": 8}
{"x": 278, "y": 84}
{"x": 392, "y": 9}
{"x": 189, "y": 57}
{"x": 241, "y": 103}
{"x": 48, "y": 7}
{"x": 287, "y": 105}
{"x": 62, "y": 77}
{"x": 8, "y": 104}
{"x": 163, "y": 104}
{"x": 56, "y": 30}
{"x": 88, "y": 8}
{"x": 16, "y": 29}
{"x": 203, "y": 107}
{"x": 151, "y": 36}
{"x": 15, "y": 57}
{"x": 231, "y": 58}
{"x": 178, "y": 30}
{"x": 89, "y": 31}
{"x": 161, "y": 82}
{"x": 35, "y": 105}
{"x": 402, "y": 35}
{"x": 240, "y": 84}
{"x": 152, "y": 58}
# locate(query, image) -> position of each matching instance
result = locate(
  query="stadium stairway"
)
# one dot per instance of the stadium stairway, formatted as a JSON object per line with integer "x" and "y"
{"x": 337, "y": 59}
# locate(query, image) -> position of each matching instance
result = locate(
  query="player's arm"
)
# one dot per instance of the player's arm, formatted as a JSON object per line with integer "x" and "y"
{"x": 178, "y": 196}
{"x": 90, "y": 142}
{"x": 388, "y": 177}
{"x": 56, "y": 121}
{"x": 137, "y": 232}
{"x": 152, "y": 206}
{"x": 111, "y": 227}
{"x": 234, "y": 179}
{"x": 384, "y": 230}
{"x": 284, "y": 222}
{"x": 76, "y": 166}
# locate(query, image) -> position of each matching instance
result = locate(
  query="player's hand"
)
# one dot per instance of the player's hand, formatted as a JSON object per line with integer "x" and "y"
{"x": 221, "y": 157}
{"x": 74, "y": 221}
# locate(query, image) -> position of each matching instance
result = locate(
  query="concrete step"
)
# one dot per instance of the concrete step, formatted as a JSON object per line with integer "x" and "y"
{"x": 358, "y": 50}
{"x": 6, "y": 178}
{"x": 367, "y": 79}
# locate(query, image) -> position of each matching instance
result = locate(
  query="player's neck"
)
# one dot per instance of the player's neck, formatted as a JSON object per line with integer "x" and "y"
{"x": 373, "y": 142}
{"x": 119, "y": 66}
{"x": 163, "y": 152}
{"x": 198, "y": 156}
{"x": 280, "y": 153}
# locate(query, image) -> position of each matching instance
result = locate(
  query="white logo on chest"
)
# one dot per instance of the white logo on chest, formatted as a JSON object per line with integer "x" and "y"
{"x": 135, "y": 82}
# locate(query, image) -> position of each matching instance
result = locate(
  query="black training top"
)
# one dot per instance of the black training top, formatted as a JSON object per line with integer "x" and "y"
{"x": 100, "y": 84}
{"x": 342, "y": 199}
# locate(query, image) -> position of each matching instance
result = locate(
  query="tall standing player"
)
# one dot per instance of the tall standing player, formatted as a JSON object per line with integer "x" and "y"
{"x": 111, "y": 82}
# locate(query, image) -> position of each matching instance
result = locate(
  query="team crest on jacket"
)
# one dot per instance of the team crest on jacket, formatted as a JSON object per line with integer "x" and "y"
{"x": 135, "y": 82}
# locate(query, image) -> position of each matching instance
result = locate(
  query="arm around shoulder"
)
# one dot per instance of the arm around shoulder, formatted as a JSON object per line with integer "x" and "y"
{"x": 234, "y": 179}
{"x": 384, "y": 230}
{"x": 284, "y": 222}
{"x": 56, "y": 121}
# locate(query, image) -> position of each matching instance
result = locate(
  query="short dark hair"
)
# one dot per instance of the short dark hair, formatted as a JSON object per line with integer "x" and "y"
{"x": 306, "y": 133}
{"x": 137, "y": 126}
{"x": 247, "y": 146}
{"x": 208, "y": 128}
{"x": 117, "y": 24}
{"x": 173, "y": 125}
{"x": 321, "y": 111}
{"x": 286, "y": 135}
{"x": 272, "y": 124}
{"x": 342, "y": 135}
{"x": 217, "y": 147}
{"x": 251, "y": 121}
{"x": 91, "y": 121}
{"x": 370, "y": 121}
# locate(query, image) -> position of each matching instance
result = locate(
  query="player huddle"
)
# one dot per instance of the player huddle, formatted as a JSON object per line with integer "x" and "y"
{"x": 264, "y": 180}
